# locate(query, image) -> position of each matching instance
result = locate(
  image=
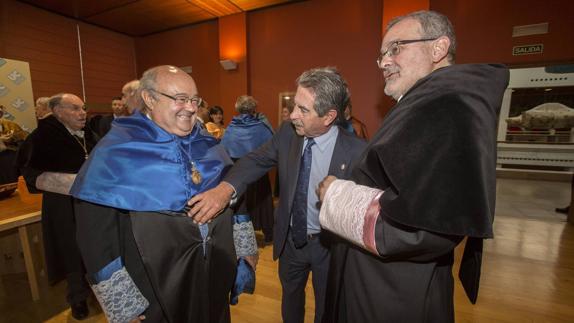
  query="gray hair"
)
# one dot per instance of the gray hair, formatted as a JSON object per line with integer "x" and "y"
{"x": 433, "y": 25}
{"x": 43, "y": 101}
{"x": 148, "y": 82}
{"x": 132, "y": 85}
{"x": 246, "y": 104}
{"x": 55, "y": 100}
{"x": 329, "y": 87}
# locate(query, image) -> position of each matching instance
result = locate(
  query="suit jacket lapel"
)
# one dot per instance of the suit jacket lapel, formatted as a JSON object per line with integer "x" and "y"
{"x": 340, "y": 159}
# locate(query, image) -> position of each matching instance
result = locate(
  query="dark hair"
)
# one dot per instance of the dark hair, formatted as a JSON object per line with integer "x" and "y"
{"x": 216, "y": 110}
{"x": 433, "y": 25}
{"x": 117, "y": 98}
{"x": 329, "y": 87}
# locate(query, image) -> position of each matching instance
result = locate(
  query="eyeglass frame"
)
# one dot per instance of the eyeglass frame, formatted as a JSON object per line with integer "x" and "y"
{"x": 187, "y": 99}
{"x": 398, "y": 43}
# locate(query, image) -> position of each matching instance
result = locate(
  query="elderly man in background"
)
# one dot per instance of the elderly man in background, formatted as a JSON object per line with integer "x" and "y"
{"x": 58, "y": 148}
{"x": 143, "y": 255}
{"x": 42, "y": 108}
{"x": 130, "y": 96}
{"x": 426, "y": 181}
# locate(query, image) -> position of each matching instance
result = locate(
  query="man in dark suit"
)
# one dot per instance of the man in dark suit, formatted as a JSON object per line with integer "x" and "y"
{"x": 305, "y": 151}
{"x": 101, "y": 124}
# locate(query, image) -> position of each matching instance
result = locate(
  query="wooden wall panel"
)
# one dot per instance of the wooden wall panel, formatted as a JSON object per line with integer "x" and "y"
{"x": 233, "y": 45}
{"x": 484, "y": 30}
{"x": 45, "y": 40}
{"x": 109, "y": 62}
{"x": 286, "y": 40}
{"x": 49, "y": 42}
{"x": 196, "y": 46}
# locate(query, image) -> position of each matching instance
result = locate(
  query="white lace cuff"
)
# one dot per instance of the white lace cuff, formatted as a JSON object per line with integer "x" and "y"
{"x": 120, "y": 298}
{"x": 244, "y": 236}
{"x": 351, "y": 211}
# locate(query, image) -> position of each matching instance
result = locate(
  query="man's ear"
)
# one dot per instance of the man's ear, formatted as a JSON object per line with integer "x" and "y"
{"x": 148, "y": 99}
{"x": 440, "y": 48}
{"x": 330, "y": 117}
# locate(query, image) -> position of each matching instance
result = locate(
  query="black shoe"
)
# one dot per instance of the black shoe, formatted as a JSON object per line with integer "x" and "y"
{"x": 564, "y": 210}
{"x": 80, "y": 310}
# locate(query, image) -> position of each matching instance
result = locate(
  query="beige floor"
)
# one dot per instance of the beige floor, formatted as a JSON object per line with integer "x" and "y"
{"x": 528, "y": 270}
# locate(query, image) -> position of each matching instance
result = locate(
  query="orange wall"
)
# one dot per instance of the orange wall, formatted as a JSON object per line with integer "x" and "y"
{"x": 233, "y": 45}
{"x": 395, "y": 8}
{"x": 196, "y": 46}
{"x": 484, "y": 29}
{"x": 286, "y": 40}
{"x": 282, "y": 42}
{"x": 109, "y": 62}
{"x": 45, "y": 40}
{"x": 49, "y": 43}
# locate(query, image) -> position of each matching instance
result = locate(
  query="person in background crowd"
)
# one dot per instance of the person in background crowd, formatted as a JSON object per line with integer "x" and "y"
{"x": 11, "y": 138}
{"x": 130, "y": 96}
{"x": 246, "y": 132}
{"x": 215, "y": 125}
{"x": 58, "y": 148}
{"x": 101, "y": 124}
{"x": 354, "y": 125}
{"x": 42, "y": 109}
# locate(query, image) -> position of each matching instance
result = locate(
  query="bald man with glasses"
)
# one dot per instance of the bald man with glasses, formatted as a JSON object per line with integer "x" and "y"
{"x": 144, "y": 257}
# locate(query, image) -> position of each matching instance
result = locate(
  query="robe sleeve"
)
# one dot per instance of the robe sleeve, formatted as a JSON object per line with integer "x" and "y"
{"x": 399, "y": 242}
{"x": 99, "y": 243}
{"x": 354, "y": 212}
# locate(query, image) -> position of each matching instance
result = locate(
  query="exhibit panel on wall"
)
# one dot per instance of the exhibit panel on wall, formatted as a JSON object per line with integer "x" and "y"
{"x": 16, "y": 93}
{"x": 536, "y": 124}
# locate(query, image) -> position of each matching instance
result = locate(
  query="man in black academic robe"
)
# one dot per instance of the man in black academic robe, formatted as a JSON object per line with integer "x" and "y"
{"x": 143, "y": 255}
{"x": 426, "y": 181}
{"x": 58, "y": 148}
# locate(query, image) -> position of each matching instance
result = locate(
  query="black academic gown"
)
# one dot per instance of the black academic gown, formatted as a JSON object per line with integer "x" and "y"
{"x": 435, "y": 157}
{"x": 51, "y": 148}
{"x": 164, "y": 256}
{"x": 183, "y": 277}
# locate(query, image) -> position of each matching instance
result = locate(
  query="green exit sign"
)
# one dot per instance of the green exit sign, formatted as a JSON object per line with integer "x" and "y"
{"x": 527, "y": 49}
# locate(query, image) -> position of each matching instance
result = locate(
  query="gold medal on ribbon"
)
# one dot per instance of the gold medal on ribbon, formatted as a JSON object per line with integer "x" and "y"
{"x": 195, "y": 174}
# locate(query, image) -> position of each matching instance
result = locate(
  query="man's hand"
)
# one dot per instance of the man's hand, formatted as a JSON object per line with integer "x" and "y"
{"x": 324, "y": 186}
{"x": 209, "y": 204}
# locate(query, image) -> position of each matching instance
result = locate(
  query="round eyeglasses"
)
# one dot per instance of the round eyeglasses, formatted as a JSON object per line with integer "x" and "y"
{"x": 182, "y": 100}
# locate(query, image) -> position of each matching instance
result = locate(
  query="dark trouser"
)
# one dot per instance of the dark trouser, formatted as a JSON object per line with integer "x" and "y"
{"x": 294, "y": 267}
{"x": 78, "y": 288}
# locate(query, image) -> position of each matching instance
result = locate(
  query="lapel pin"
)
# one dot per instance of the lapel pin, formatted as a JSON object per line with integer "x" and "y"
{"x": 342, "y": 166}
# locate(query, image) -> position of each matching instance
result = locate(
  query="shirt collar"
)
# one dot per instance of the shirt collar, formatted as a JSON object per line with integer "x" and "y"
{"x": 322, "y": 140}
{"x": 79, "y": 133}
